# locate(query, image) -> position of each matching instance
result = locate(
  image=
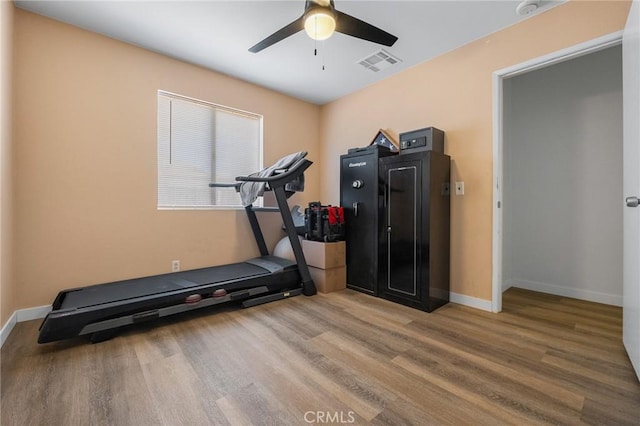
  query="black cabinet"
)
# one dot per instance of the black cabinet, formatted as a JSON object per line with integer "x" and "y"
{"x": 361, "y": 195}
{"x": 414, "y": 245}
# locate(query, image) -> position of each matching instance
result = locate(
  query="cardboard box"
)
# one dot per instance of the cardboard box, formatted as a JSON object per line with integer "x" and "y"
{"x": 324, "y": 255}
{"x": 328, "y": 280}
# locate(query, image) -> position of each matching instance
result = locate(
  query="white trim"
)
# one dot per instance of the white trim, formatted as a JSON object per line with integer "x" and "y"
{"x": 7, "y": 328}
{"x": 22, "y": 315}
{"x": 572, "y": 52}
{"x": 29, "y": 314}
{"x": 472, "y": 302}
{"x": 496, "y": 249}
{"x": 575, "y": 293}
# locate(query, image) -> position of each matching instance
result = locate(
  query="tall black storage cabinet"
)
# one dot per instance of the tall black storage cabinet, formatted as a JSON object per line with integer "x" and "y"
{"x": 414, "y": 247}
{"x": 361, "y": 196}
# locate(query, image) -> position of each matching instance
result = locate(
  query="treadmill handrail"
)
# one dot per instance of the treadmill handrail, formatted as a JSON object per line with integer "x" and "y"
{"x": 224, "y": 185}
{"x": 281, "y": 179}
{"x": 288, "y": 175}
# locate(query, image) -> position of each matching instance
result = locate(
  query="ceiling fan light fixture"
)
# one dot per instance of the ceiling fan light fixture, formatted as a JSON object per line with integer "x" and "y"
{"x": 320, "y": 20}
{"x": 319, "y": 24}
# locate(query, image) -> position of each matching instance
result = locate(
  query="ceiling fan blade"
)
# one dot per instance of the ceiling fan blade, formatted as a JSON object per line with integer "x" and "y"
{"x": 281, "y": 34}
{"x": 354, "y": 27}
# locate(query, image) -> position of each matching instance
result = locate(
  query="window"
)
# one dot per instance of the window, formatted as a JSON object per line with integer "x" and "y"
{"x": 200, "y": 143}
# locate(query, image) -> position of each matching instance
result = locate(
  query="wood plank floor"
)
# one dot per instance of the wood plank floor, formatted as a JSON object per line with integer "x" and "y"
{"x": 344, "y": 358}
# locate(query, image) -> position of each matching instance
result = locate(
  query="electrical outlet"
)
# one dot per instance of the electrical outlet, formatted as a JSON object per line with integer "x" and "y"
{"x": 175, "y": 265}
{"x": 459, "y": 188}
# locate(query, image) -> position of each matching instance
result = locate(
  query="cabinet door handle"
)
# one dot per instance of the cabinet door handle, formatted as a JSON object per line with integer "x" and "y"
{"x": 384, "y": 195}
{"x": 355, "y": 208}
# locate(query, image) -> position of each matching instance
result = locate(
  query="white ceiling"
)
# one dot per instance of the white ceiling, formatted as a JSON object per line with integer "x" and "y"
{"x": 216, "y": 34}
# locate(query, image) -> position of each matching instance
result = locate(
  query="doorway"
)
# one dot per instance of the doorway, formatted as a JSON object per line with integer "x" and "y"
{"x": 557, "y": 218}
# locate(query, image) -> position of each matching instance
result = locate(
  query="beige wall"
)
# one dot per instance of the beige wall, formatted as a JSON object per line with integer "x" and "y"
{"x": 7, "y": 305}
{"x": 84, "y": 170}
{"x": 454, "y": 92}
{"x": 85, "y": 161}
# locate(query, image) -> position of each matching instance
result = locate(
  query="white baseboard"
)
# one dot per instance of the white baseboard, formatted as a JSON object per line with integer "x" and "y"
{"x": 472, "y": 302}
{"x": 22, "y": 315}
{"x": 6, "y": 329}
{"x": 33, "y": 313}
{"x": 575, "y": 293}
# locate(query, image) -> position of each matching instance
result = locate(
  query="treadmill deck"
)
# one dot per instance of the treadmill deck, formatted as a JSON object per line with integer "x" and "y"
{"x": 158, "y": 284}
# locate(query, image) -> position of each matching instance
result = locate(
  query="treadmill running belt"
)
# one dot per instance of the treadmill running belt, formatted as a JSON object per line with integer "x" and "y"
{"x": 138, "y": 287}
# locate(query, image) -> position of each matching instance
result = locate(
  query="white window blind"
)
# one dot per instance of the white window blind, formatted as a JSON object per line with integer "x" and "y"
{"x": 200, "y": 143}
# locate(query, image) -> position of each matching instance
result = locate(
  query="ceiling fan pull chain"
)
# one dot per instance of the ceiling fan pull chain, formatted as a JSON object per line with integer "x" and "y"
{"x": 323, "y": 50}
{"x": 315, "y": 39}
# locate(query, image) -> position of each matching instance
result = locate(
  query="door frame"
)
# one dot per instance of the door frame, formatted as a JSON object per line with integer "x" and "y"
{"x": 499, "y": 76}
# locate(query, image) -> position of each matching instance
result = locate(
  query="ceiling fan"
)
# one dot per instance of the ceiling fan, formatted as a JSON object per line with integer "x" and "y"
{"x": 320, "y": 19}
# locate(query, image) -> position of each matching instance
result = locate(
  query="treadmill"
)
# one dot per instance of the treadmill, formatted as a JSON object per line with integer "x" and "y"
{"x": 100, "y": 310}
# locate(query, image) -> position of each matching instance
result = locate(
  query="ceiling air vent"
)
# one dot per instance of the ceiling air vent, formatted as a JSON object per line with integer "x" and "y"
{"x": 379, "y": 60}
